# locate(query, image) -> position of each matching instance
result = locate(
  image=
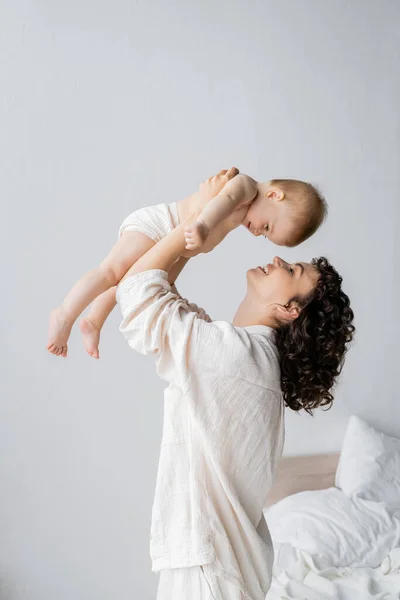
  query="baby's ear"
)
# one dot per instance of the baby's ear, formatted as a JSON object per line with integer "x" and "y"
{"x": 275, "y": 193}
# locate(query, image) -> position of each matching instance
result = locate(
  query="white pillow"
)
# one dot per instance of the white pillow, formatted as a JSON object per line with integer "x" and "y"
{"x": 333, "y": 528}
{"x": 369, "y": 464}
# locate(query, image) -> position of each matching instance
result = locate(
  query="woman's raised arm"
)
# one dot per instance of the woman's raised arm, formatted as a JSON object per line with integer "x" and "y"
{"x": 167, "y": 251}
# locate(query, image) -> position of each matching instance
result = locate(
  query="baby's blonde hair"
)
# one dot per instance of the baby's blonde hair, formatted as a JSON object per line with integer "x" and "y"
{"x": 309, "y": 207}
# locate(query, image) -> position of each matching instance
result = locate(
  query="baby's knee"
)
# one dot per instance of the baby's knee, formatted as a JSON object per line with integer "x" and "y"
{"x": 109, "y": 274}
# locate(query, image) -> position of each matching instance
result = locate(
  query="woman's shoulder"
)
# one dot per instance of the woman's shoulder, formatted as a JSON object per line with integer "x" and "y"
{"x": 246, "y": 353}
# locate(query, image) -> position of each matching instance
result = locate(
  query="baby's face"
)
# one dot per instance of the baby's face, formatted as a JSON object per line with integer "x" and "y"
{"x": 269, "y": 217}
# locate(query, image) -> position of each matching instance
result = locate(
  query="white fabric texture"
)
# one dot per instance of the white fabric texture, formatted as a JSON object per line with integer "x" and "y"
{"x": 195, "y": 583}
{"x": 347, "y": 532}
{"x": 308, "y": 579}
{"x": 342, "y": 543}
{"x": 369, "y": 464}
{"x": 223, "y": 433}
{"x": 155, "y": 221}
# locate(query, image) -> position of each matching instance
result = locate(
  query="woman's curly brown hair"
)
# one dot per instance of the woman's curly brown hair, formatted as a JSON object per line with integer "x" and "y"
{"x": 312, "y": 348}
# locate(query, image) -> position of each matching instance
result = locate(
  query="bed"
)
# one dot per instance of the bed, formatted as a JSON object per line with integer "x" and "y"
{"x": 334, "y": 520}
{"x": 300, "y": 473}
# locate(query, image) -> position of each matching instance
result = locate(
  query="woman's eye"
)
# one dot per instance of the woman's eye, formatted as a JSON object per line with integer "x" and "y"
{"x": 266, "y": 228}
{"x": 291, "y": 270}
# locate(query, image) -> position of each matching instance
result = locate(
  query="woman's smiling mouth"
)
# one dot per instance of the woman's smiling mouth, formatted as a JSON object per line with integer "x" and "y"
{"x": 266, "y": 269}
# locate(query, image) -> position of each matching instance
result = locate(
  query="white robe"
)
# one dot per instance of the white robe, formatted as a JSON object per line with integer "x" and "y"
{"x": 223, "y": 434}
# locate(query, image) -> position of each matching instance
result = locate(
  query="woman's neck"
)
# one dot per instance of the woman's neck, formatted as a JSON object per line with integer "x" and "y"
{"x": 250, "y": 313}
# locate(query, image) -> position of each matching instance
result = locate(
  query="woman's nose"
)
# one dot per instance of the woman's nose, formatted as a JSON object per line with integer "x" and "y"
{"x": 277, "y": 262}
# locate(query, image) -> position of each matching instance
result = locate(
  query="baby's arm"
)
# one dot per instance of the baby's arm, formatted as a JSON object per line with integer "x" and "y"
{"x": 239, "y": 191}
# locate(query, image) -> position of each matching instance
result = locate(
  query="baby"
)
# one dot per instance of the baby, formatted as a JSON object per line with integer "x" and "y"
{"x": 285, "y": 211}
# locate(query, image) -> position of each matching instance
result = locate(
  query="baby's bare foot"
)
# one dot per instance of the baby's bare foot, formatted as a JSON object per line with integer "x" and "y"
{"x": 59, "y": 330}
{"x": 91, "y": 336}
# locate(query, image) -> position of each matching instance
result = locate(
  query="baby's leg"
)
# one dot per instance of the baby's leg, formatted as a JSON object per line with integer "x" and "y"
{"x": 130, "y": 246}
{"x": 91, "y": 325}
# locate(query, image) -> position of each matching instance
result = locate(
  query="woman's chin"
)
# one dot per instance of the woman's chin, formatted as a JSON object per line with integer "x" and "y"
{"x": 251, "y": 271}
{"x": 254, "y": 272}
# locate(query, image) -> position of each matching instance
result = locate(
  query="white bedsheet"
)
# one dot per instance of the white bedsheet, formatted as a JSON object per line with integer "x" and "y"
{"x": 328, "y": 546}
{"x": 312, "y": 579}
{"x": 347, "y": 532}
{"x": 342, "y": 543}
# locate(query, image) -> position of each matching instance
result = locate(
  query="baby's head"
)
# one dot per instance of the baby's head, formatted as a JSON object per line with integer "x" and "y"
{"x": 286, "y": 211}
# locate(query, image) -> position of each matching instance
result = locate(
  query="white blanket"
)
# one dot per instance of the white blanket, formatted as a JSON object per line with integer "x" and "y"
{"x": 347, "y": 532}
{"x": 343, "y": 542}
{"x": 313, "y": 579}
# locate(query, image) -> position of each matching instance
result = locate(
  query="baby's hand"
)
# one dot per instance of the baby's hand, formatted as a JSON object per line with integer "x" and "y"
{"x": 195, "y": 235}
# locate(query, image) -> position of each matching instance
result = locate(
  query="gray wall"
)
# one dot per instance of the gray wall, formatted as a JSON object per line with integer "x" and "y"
{"x": 109, "y": 106}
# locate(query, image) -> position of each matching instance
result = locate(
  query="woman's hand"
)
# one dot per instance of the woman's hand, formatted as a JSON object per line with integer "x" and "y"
{"x": 197, "y": 232}
{"x": 213, "y": 185}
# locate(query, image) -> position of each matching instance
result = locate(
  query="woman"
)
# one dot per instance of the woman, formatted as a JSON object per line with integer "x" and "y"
{"x": 224, "y": 407}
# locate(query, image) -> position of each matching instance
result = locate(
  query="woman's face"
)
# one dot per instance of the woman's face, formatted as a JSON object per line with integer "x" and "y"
{"x": 280, "y": 281}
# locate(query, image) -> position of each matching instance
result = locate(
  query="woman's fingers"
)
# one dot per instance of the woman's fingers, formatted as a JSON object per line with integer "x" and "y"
{"x": 229, "y": 173}
{"x": 232, "y": 172}
{"x": 213, "y": 185}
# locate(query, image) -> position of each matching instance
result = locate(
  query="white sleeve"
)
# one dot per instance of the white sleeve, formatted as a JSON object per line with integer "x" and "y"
{"x": 158, "y": 321}
{"x": 192, "y": 306}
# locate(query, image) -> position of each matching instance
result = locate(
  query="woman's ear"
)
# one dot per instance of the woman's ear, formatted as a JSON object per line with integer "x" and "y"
{"x": 289, "y": 312}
